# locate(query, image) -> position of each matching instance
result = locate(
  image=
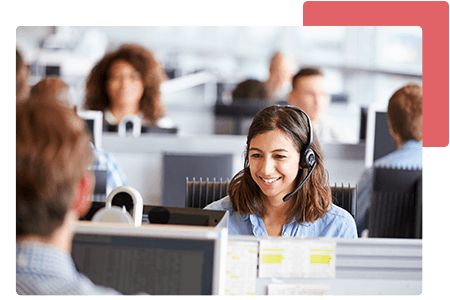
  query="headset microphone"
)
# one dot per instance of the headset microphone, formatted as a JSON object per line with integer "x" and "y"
{"x": 288, "y": 196}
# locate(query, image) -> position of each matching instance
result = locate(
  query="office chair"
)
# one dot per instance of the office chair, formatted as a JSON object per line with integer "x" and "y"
{"x": 345, "y": 197}
{"x": 396, "y": 206}
{"x": 201, "y": 193}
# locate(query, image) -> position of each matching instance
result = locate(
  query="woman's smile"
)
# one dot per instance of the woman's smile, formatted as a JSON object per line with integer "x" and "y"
{"x": 274, "y": 163}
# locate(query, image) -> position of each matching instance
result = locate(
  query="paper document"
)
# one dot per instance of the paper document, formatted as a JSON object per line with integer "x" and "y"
{"x": 242, "y": 261}
{"x": 295, "y": 258}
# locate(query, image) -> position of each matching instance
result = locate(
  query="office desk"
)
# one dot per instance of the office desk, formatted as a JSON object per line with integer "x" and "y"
{"x": 363, "y": 267}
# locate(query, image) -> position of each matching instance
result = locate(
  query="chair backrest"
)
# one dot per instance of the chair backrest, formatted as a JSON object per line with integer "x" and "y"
{"x": 178, "y": 166}
{"x": 345, "y": 197}
{"x": 396, "y": 206}
{"x": 201, "y": 193}
{"x": 418, "y": 228}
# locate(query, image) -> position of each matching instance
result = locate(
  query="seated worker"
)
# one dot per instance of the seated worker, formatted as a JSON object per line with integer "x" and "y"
{"x": 283, "y": 189}
{"x": 405, "y": 125}
{"x": 309, "y": 95}
{"x": 248, "y": 90}
{"x": 278, "y": 84}
{"x": 22, "y": 85}
{"x": 53, "y": 189}
{"x": 54, "y": 89}
{"x": 127, "y": 82}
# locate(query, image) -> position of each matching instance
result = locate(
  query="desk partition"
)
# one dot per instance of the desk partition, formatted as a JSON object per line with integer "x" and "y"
{"x": 142, "y": 158}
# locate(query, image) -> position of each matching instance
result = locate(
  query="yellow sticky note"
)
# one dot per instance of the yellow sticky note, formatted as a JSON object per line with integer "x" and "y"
{"x": 272, "y": 258}
{"x": 320, "y": 259}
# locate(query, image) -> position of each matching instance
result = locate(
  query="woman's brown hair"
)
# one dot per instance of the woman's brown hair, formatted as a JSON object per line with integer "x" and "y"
{"x": 313, "y": 199}
{"x": 146, "y": 64}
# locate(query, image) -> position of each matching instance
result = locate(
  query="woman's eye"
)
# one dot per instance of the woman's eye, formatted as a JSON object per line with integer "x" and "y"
{"x": 280, "y": 156}
{"x": 256, "y": 155}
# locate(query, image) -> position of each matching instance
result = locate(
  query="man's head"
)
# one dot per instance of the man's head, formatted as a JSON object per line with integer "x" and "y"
{"x": 52, "y": 157}
{"x": 405, "y": 114}
{"x": 308, "y": 93}
{"x": 280, "y": 70}
{"x": 51, "y": 89}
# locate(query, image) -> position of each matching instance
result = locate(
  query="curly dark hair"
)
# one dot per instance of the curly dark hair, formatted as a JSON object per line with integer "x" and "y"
{"x": 313, "y": 200}
{"x": 146, "y": 64}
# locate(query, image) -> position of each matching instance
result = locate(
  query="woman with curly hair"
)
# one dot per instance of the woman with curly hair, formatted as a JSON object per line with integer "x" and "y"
{"x": 127, "y": 82}
{"x": 283, "y": 189}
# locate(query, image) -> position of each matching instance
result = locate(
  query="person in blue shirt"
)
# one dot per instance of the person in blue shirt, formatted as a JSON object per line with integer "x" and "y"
{"x": 283, "y": 189}
{"x": 405, "y": 125}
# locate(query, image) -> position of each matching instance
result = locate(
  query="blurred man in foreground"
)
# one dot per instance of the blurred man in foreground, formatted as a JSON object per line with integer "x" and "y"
{"x": 53, "y": 189}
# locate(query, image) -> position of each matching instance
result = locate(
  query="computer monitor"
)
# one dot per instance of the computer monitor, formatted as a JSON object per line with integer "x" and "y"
{"x": 155, "y": 259}
{"x": 379, "y": 141}
{"x": 144, "y": 129}
{"x": 94, "y": 122}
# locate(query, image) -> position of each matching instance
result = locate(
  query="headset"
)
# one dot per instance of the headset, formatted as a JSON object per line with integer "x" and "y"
{"x": 307, "y": 156}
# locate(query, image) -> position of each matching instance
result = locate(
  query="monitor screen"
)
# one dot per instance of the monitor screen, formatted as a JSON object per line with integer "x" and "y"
{"x": 155, "y": 259}
{"x": 94, "y": 123}
{"x": 379, "y": 141}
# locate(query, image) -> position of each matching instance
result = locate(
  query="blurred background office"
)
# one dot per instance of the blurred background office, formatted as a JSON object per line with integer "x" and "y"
{"x": 361, "y": 66}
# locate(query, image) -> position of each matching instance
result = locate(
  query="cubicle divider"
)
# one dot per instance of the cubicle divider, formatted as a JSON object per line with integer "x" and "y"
{"x": 290, "y": 266}
{"x": 142, "y": 158}
{"x": 178, "y": 166}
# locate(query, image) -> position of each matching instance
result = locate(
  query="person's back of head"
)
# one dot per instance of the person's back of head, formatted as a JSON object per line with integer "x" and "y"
{"x": 250, "y": 89}
{"x": 51, "y": 89}
{"x": 52, "y": 155}
{"x": 405, "y": 112}
{"x": 22, "y": 86}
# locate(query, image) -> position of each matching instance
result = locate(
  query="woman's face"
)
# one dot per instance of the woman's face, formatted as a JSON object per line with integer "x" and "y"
{"x": 125, "y": 85}
{"x": 274, "y": 163}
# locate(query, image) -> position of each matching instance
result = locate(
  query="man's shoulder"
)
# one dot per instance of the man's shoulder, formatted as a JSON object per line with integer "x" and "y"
{"x": 402, "y": 158}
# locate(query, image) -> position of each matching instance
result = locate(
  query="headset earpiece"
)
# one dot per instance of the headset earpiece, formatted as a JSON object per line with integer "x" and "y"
{"x": 308, "y": 159}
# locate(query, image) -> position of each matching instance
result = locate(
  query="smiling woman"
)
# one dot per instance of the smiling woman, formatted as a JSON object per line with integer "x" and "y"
{"x": 127, "y": 81}
{"x": 283, "y": 188}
